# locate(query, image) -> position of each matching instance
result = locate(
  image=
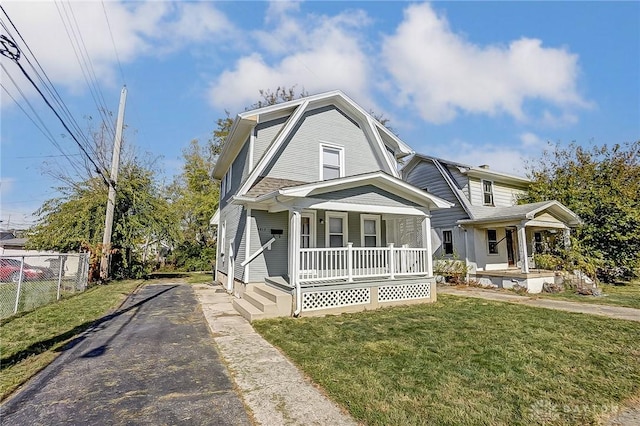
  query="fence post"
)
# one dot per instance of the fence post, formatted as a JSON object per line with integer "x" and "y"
{"x": 350, "y": 262}
{"x": 59, "y": 276}
{"x": 15, "y": 309}
{"x": 392, "y": 262}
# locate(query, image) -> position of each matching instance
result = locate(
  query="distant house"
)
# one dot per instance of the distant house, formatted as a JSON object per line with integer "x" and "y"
{"x": 486, "y": 227}
{"x": 313, "y": 214}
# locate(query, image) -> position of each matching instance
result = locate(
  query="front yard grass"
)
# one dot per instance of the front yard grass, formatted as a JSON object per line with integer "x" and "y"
{"x": 464, "y": 361}
{"x": 32, "y": 340}
{"x": 624, "y": 294}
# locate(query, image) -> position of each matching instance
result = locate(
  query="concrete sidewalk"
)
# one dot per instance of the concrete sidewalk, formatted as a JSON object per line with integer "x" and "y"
{"x": 617, "y": 312}
{"x": 272, "y": 387}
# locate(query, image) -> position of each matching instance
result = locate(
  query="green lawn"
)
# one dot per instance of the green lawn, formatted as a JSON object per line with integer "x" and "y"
{"x": 464, "y": 361}
{"x": 32, "y": 340}
{"x": 624, "y": 294}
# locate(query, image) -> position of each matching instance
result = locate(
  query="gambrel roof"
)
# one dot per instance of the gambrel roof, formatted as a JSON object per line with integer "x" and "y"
{"x": 383, "y": 140}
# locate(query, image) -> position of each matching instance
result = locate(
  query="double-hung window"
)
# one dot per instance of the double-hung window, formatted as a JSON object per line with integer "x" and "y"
{"x": 487, "y": 192}
{"x": 447, "y": 242}
{"x": 370, "y": 230}
{"x": 336, "y": 229}
{"x": 331, "y": 162}
{"x": 492, "y": 240}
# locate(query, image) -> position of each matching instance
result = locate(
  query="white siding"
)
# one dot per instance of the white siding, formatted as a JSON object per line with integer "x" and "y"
{"x": 503, "y": 195}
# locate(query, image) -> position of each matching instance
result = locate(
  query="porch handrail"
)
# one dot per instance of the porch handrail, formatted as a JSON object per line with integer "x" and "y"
{"x": 267, "y": 245}
{"x": 347, "y": 263}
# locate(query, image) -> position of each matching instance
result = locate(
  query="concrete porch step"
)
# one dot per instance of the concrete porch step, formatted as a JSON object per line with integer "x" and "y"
{"x": 275, "y": 295}
{"x": 248, "y": 311}
{"x": 261, "y": 302}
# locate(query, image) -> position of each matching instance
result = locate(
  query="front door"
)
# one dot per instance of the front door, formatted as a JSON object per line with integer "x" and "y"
{"x": 510, "y": 251}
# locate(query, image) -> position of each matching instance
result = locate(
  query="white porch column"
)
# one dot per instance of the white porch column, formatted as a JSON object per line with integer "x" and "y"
{"x": 294, "y": 246}
{"x": 567, "y": 241}
{"x": 522, "y": 248}
{"x": 294, "y": 257}
{"x": 426, "y": 242}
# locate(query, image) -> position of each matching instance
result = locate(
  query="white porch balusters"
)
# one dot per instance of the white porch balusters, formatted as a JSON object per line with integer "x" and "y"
{"x": 350, "y": 262}
{"x": 392, "y": 262}
{"x": 522, "y": 248}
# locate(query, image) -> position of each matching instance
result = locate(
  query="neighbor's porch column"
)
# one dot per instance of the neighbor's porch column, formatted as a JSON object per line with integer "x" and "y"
{"x": 567, "y": 240}
{"x": 522, "y": 248}
{"x": 426, "y": 243}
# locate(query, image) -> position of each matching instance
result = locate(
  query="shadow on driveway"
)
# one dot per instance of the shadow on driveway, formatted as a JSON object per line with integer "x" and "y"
{"x": 151, "y": 362}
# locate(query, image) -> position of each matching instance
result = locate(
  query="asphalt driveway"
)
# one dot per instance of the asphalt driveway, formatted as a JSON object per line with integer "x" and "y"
{"x": 152, "y": 362}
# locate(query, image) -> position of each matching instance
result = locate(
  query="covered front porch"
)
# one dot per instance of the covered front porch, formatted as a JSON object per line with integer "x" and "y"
{"x": 506, "y": 244}
{"x": 353, "y": 243}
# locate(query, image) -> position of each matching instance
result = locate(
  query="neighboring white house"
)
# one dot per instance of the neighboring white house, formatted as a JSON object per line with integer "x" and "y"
{"x": 314, "y": 215}
{"x": 486, "y": 227}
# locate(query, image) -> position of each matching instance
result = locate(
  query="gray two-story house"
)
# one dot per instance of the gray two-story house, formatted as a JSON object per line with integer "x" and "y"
{"x": 314, "y": 215}
{"x": 486, "y": 227}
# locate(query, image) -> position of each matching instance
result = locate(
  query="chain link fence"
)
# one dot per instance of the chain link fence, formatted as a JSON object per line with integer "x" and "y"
{"x": 29, "y": 281}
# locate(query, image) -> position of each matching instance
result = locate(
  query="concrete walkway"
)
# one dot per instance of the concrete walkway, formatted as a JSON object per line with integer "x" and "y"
{"x": 272, "y": 387}
{"x": 152, "y": 362}
{"x": 616, "y": 312}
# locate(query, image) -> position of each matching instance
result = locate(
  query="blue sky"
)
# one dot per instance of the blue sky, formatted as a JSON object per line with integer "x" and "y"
{"x": 477, "y": 82}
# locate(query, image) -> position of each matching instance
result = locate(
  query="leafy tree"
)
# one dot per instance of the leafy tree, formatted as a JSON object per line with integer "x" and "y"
{"x": 75, "y": 220}
{"x": 194, "y": 198}
{"x": 601, "y": 185}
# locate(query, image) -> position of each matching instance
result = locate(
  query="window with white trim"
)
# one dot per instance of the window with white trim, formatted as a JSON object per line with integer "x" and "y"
{"x": 492, "y": 241}
{"x": 331, "y": 162}
{"x": 447, "y": 242}
{"x": 223, "y": 235}
{"x": 336, "y": 229}
{"x": 487, "y": 192}
{"x": 307, "y": 230}
{"x": 370, "y": 230}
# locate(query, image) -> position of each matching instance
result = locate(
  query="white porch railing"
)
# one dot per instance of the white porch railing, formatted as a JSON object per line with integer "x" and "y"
{"x": 348, "y": 263}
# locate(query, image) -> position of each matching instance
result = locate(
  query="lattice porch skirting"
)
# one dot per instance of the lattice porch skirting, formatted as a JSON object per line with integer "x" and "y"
{"x": 319, "y": 299}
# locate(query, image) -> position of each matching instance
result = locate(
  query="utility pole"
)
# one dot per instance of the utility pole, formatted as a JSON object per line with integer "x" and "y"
{"x": 111, "y": 201}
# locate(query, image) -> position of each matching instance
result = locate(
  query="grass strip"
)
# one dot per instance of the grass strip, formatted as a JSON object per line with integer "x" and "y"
{"x": 466, "y": 361}
{"x": 32, "y": 340}
{"x": 623, "y": 294}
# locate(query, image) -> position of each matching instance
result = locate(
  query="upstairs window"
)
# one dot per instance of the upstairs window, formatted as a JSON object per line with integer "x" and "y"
{"x": 331, "y": 162}
{"x": 492, "y": 240}
{"x": 487, "y": 192}
{"x": 447, "y": 242}
{"x": 225, "y": 183}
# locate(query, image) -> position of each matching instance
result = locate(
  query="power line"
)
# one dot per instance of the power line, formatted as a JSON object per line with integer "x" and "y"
{"x": 15, "y": 56}
{"x": 50, "y": 88}
{"x": 115, "y": 49}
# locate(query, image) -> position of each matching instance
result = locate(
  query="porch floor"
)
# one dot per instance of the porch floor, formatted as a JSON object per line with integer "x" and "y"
{"x": 283, "y": 282}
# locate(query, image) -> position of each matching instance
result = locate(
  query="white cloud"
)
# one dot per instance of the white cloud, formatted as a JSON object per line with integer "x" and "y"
{"x": 139, "y": 29}
{"x": 315, "y": 53}
{"x": 530, "y": 139}
{"x": 441, "y": 73}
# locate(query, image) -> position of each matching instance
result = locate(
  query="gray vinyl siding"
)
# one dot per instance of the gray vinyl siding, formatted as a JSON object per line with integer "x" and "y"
{"x": 426, "y": 175}
{"x": 274, "y": 262}
{"x": 299, "y": 155}
{"x": 503, "y": 195}
{"x": 265, "y": 134}
{"x": 367, "y": 194}
{"x": 461, "y": 179}
{"x": 353, "y": 229}
{"x": 234, "y": 216}
{"x": 239, "y": 172}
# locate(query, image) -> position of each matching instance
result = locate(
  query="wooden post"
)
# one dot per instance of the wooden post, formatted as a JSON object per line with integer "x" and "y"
{"x": 350, "y": 262}
{"x": 392, "y": 262}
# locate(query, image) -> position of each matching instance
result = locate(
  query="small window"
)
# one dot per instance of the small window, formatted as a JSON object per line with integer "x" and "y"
{"x": 223, "y": 235}
{"x": 487, "y": 192}
{"x": 370, "y": 230}
{"x": 538, "y": 243}
{"x": 332, "y": 162}
{"x": 447, "y": 242}
{"x": 492, "y": 240}
{"x": 223, "y": 186}
{"x": 336, "y": 229}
